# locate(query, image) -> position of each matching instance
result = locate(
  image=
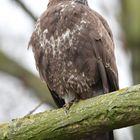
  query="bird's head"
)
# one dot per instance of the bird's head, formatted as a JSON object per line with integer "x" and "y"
{"x": 54, "y": 2}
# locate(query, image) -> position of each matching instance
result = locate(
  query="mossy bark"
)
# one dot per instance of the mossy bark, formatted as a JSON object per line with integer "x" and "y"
{"x": 103, "y": 113}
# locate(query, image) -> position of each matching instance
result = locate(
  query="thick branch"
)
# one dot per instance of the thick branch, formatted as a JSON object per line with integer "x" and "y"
{"x": 102, "y": 113}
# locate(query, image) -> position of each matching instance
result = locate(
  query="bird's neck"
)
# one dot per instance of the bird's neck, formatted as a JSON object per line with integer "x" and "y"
{"x": 54, "y": 2}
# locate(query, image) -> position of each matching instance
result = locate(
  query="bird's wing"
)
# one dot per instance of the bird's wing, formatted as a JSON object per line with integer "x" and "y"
{"x": 111, "y": 71}
{"x": 41, "y": 64}
{"x": 104, "y": 52}
{"x": 96, "y": 37}
{"x": 107, "y": 66}
{"x": 39, "y": 52}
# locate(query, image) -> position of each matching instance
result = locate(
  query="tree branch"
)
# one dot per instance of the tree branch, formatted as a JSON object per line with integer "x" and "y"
{"x": 98, "y": 114}
{"x": 12, "y": 68}
{"x": 24, "y": 7}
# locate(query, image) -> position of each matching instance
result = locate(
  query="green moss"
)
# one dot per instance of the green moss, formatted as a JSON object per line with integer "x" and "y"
{"x": 102, "y": 113}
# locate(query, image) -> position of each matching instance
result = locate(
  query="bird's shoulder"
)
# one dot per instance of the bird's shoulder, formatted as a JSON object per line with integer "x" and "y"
{"x": 70, "y": 15}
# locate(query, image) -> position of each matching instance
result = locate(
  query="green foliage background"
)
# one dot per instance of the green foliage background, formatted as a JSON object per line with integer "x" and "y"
{"x": 130, "y": 19}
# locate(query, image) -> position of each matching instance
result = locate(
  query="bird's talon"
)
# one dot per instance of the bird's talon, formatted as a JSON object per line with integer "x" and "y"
{"x": 67, "y": 107}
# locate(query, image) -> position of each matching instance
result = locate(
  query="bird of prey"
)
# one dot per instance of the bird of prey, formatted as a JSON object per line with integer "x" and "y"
{"x": 74, "y": 52}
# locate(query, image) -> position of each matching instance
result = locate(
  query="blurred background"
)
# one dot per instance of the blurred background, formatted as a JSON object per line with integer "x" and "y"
{"x": 21, "y": 90}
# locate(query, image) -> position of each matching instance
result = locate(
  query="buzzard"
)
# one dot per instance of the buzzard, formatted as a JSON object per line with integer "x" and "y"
{"x": 74, "y": 52}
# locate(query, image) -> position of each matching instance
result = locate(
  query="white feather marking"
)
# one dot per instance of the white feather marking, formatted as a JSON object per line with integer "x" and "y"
{"x": 69, "y": 63}
{"x": 45, "y": 31}
{"x": 52, "y": 41}
{"x": 66, "y": 34}
{"x": 83, "y": 21}
{"x": 71, "y": 77}
{"x": 37, "y": 27}
{"x": 75, "y": 70}
{"x": 55, "y": 44}
{"x": 83, "y": 74}
{"x": 63, "y": 8}
{"x": 68, "y": 97}
{"x": 73, "y": 4}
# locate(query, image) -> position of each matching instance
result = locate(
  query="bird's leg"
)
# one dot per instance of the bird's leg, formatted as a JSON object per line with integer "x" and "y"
{"x": 69, "y": 99}
{"x": 67, "y": 106}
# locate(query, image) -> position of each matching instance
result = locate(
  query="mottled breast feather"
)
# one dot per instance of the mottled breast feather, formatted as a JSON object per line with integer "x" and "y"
{"x": 74, "y": 51}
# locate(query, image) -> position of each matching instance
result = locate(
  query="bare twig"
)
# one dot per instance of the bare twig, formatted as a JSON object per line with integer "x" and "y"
{"x": 27, "y": 10}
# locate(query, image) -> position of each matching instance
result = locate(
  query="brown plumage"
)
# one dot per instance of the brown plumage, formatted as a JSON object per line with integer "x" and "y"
{"x": 74, "y": 52}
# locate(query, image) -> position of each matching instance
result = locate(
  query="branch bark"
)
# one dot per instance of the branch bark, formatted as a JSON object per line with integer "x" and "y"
{"x": 99, "y": 114}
